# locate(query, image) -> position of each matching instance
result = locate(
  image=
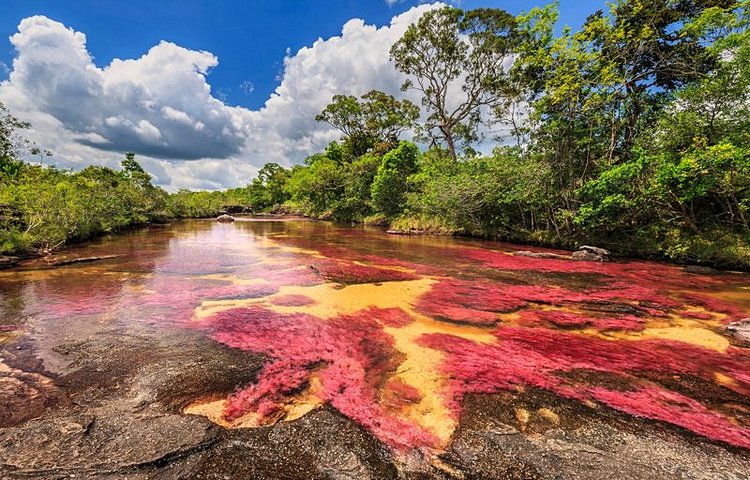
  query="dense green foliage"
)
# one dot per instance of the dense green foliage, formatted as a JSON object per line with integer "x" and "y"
{"x": 43, "y": 208}
{"x": 632, "y": 132}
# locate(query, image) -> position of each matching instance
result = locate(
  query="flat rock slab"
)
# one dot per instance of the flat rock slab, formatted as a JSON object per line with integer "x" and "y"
{"x": 101, "y": 441}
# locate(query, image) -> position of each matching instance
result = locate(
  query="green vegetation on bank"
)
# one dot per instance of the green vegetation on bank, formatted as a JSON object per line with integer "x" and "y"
{"x": 632, "y": 132}
{"x": 636, "y": 134}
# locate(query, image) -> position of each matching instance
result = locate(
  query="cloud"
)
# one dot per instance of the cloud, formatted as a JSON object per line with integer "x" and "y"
{"x": 247, "y": 87}
{"x": 162, "y": 107}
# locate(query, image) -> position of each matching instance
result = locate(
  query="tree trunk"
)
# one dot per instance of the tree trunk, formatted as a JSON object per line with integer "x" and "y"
{"x": 448, "y": 134}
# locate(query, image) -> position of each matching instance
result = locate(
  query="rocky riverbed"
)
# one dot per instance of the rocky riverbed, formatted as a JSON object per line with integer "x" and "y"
{"x": 103, "y": 363}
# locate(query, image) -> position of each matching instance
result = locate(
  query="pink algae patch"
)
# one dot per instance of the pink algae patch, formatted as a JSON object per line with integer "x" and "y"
{"x": 478, "y": 303}
{"x": 292, "y": 301}
{"x": 390, "y": 317}
{"x": 351, "y": 356}
{"x": 347, "y": 272}
{"x": 541, "y": 358}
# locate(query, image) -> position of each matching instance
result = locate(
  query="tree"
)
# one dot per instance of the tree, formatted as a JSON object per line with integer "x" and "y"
{"x": 389, "y": 186}
{"x": 10, "y": 165}
{"x": 451, "y": 54}
{"x": 267, "y": 189}
{"x": 133, "y": 170}
{"x": 378, "y": 117}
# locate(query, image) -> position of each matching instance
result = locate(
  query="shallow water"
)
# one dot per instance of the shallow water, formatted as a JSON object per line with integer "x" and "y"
{"x": 394, "y": 332}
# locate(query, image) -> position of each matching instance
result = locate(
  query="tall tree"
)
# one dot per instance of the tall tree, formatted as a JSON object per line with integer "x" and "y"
{"x": 457, "y": 61}
{"x": 9, "y": 141}
{"x": 377, "y": 117}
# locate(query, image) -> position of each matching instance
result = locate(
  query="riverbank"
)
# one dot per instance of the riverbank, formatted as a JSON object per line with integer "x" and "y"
{"x": 720, "y": 250}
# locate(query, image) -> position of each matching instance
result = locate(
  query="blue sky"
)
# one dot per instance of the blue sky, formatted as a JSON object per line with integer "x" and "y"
{"x": 250, "y": 38}
{"x": 203, "y": 92}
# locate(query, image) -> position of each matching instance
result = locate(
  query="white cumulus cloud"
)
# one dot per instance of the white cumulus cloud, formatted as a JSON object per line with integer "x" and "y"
{"x": 162, "y": 107}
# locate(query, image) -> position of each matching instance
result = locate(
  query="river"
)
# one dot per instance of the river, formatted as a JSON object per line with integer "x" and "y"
{"x": 301, "y": 349}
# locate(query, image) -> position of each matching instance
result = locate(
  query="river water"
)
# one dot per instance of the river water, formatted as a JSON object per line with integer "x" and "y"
{"x": 393, "y": 332}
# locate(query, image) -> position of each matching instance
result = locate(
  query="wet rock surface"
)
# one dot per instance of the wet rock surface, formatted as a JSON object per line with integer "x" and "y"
{"x": 103, "y": 417}
{"x": 8, "y": 261}
{"x": 101, "y": 440}
{"x": 535, "y": 436}
{"x": 740, "y": 330}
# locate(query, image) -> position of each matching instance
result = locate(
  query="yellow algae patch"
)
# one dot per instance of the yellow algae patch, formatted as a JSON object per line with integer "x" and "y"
{"x": 420, "y": 369}
{"x": 549, "y": 415}
{"x": 331, "y": 300}
{"x": 522, "y": 415}
{"x": 739, "y": 296}
{"x": 4, "y": 368}
{"x": 701, "y": 337}
{"x": 292, "y": 409}
{"x": 694, "y": 332}
{"x": 725, "y": 380}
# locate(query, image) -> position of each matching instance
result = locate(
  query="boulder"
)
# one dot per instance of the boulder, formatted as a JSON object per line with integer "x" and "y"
{"x": 225, "y": 218}
{"x": 587, "y": 253}
{"x": 597, "y": 250}
{"x": 740, "y": 330}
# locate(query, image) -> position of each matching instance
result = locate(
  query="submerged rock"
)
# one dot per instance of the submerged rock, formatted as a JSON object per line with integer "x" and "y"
{"x": 70, "y": 261}
{"x": 225, "y": 218}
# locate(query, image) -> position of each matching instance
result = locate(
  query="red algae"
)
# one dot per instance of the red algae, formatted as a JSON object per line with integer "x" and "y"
{"x": 573, "y": 320}
{"x": 351, "y": 355}
{"x": 292, "y": 301}
{"x": 348, "y": 272}
{"x": 390, "y": 317}
{"x": 397, "y": 394}
{"x": 538, "y": 357}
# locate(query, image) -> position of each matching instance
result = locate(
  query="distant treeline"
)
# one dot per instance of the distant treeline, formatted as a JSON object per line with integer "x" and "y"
{"x": 632, "y": 132}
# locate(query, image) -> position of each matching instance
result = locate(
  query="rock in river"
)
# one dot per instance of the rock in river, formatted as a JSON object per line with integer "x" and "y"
{"x": 740, "y": 330}
{"x": 8, "y": 261}
{"x": 588, "y": 253}
{"x": 225, "y": 218}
